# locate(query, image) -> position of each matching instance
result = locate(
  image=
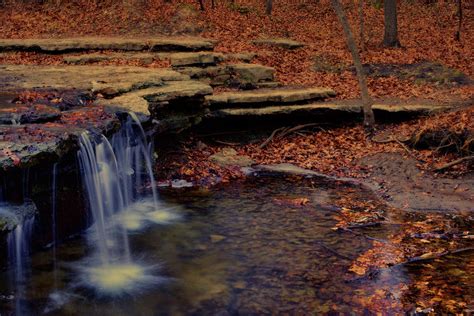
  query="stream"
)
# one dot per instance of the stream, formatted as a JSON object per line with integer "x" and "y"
{"x": 243, "y": 248}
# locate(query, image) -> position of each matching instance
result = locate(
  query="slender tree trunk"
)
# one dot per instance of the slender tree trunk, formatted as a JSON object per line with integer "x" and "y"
{"x": 269, "y": 7}
{"x": 457, "y": 36}
{"x": 201, "y": 5}
{"x": 361, "y": 24}
{"x": 213, "y": 5}
{"x": 369, "y": 119}
{"x": 390, "y": 38}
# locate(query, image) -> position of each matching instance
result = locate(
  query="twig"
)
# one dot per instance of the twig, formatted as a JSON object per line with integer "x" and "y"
{"x": 360, "y": 234}
{"x": 226, "y": 143}
{"x": 406, "y": 149}
{"x": 364, "y": 225}
{"x": 269, "y": 139}
{"x": 294, "y": 129}
{"x": 398, "y": 141}
{"x": 334, "y": 252}
{"x": 453, "y": 163}
{"x": 434, "y": 256}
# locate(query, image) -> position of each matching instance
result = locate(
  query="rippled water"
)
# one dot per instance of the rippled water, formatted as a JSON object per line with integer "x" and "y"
{"x": 239, "y": 249}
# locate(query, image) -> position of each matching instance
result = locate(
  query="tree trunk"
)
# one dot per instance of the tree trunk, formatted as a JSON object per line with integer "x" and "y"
{"x": 361, "y": 25}
{"x": 457, "y": 36}
{"x": 369, "y": 119}
{"x": 201, "y": 5}
{"x": 269, "y": 7}
{"x": 390, "y": 38}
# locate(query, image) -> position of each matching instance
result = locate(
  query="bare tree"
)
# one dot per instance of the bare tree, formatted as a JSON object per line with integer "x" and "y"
{"x": 369, "y": 119}
{"x": 390, "y": 38}
{"x": 269, "y": 7}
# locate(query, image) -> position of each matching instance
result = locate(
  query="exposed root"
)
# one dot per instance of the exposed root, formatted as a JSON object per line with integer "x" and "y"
{"x": 453, "y": 163}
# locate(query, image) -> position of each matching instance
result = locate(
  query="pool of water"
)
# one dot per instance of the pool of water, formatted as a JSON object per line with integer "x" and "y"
{"x": 241, "y": 249}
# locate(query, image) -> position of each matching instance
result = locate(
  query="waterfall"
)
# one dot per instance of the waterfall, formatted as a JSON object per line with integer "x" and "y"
{"x": 18, "y": 242}
{"x": 54, "y": 220}
{"x": 114, "y": 174}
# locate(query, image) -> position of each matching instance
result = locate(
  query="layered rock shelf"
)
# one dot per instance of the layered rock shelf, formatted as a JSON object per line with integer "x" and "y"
{"x": 44, "y": 109}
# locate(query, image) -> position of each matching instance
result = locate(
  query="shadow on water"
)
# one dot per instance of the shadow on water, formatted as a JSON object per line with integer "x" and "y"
{"x": 243, "y": 248}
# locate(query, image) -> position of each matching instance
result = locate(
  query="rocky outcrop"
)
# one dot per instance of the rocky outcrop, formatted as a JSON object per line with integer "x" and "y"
{"x": 58, "y": 46}
{"x": 279, "y": 42}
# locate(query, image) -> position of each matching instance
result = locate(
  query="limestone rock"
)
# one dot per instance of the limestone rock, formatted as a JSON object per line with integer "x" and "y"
{"x": 229, "y": 157}
{"x": 23, "y": 114}
{"x": 194, "y": 58}
{"x": 144, "y": 101}
{"x": 57, "y": 46}
{"x": 279, "y": 42}
{"x": 238, "y": 75}
{"x": 252, "y": 73}
{"x": 261, "y": 98}
{"x": 324, "y": 107}
{"x": 85, "y": 78}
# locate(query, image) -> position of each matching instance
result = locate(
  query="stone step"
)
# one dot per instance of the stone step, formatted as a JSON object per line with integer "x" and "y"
{"x": 153, "y": 101}
{"x": 182, "y": 59}
{"x": 323, "y": 108}
{"x": 262, "y": 98}
{"x": 115, "y": 79}
{"x": 235, "y": 75}
{"x": 59, "y": 46}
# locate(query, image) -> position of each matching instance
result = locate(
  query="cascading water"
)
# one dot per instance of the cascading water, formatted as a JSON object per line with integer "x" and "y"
{"x": 115, "y": 173}
{"x": 19, "y": 241}
{"x": 54, "y": 220}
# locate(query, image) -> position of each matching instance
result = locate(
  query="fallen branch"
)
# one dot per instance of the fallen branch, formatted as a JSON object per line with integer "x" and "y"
{"x": 226, "y": 143}
{"x": 453, "y": 163}
{"x": 294, "y": 129}
{"x": 398, "y": 141}
{"x": 269, "y": 139}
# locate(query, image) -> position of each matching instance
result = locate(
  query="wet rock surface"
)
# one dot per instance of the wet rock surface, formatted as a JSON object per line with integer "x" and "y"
{"x": 11, "y": 214}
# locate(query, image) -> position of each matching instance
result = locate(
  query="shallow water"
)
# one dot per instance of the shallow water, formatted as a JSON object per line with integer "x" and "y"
{"x": 244, "y": 248}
